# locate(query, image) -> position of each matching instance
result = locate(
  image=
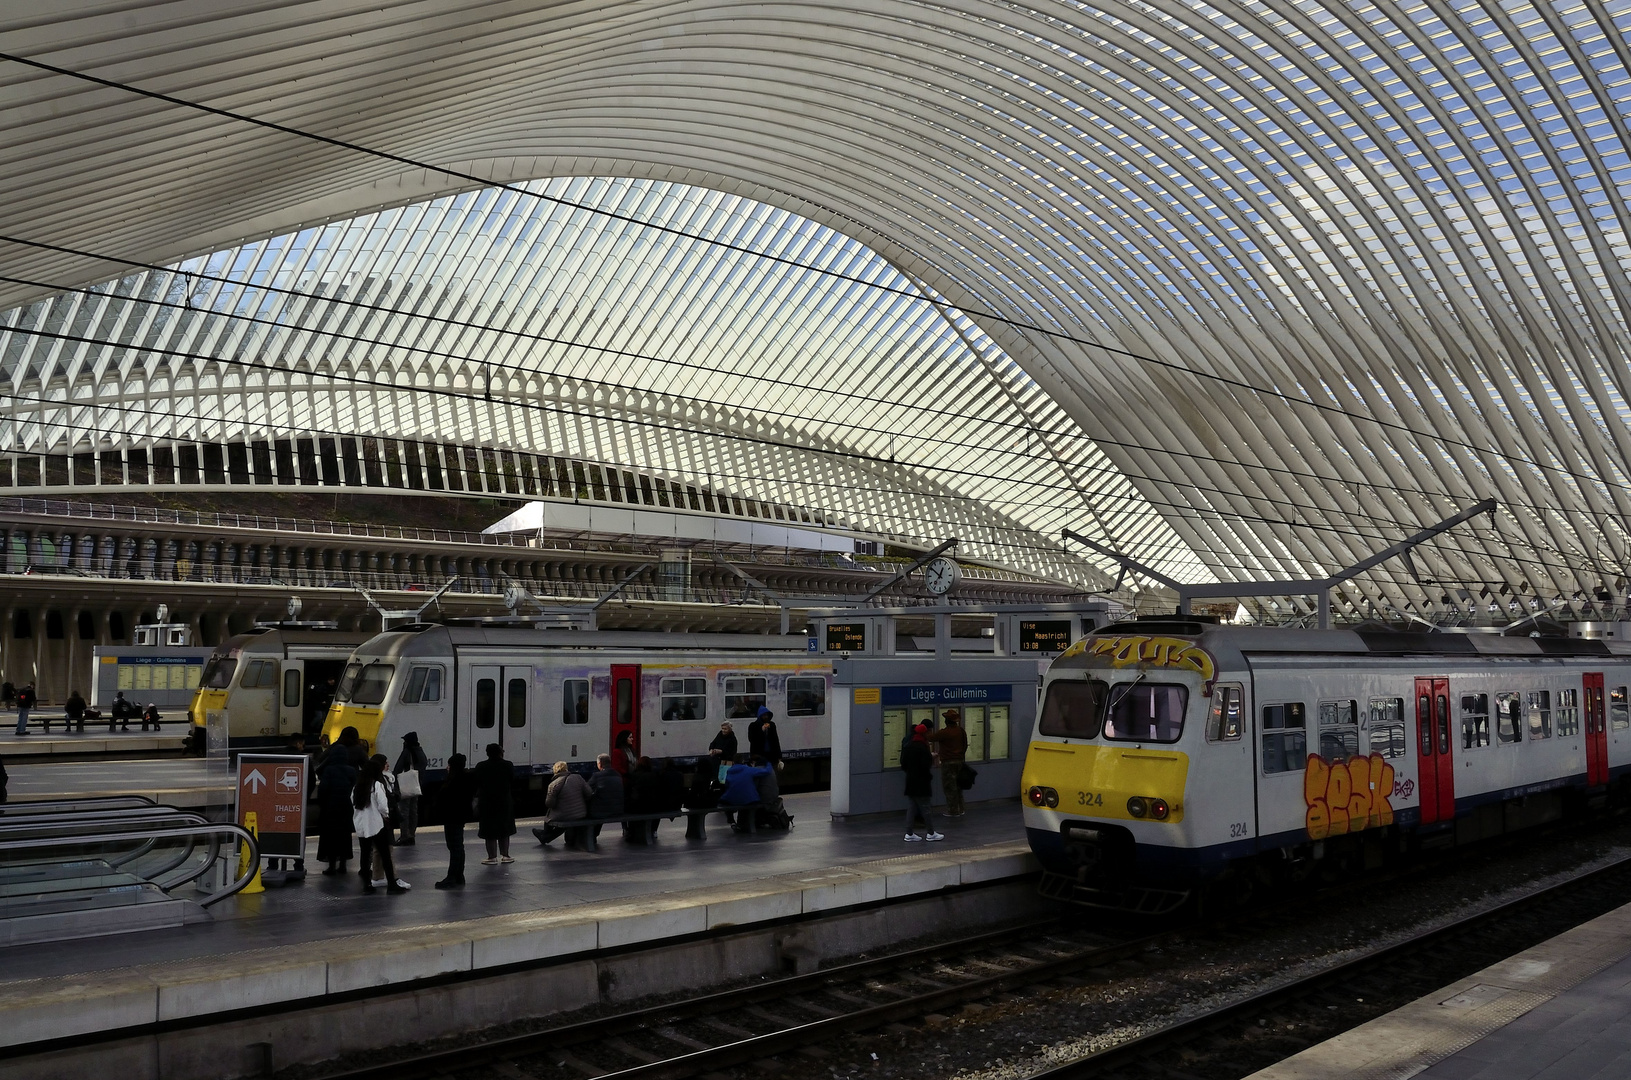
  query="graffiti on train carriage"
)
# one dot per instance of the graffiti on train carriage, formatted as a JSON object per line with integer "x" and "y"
{"x": 1131, "y": 649}
{"x": 1347, "y": 796}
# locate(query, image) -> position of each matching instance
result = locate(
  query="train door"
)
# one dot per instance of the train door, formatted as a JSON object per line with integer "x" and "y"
{"x": 625, "y": 704}
{"x": 1596, "y": 731}
{"x": 1435, "y": 771}
{"x": 498, "y": 713}
{"x": 290, "y": 694}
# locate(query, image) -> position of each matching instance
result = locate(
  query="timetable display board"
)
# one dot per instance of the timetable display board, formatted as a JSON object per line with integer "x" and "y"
{"x": 846, "y": 637}
{"x": 1044, "y": 635}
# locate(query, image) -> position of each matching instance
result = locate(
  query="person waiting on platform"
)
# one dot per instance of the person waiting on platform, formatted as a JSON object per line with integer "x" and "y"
{"x": 336, "y": 778}
{"x": 624, "y": 755}
{"x": 453, "y": 807}
{"x": 25, "y": 701}
{"x": 566, "y": 800}
{"x": 918, "y": 765}
{"x": 411, "y": 760}
{"x": 763, "y": 738}
{"x": 151, "y": 715}
{"x": 641, "y": 799}
{"x": 495, "y": 809}
{"x": 121, "y": 712}
{"x": 722, "y": 750}
{"x": 371, "y": 815}
{"x": 951, "y": 744}
{"x": 73, "y": 712}
{"x": 605, "y": 791}
{"x": 742, "y": 789}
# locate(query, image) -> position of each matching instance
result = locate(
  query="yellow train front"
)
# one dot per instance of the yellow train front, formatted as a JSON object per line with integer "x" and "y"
{"x": 1135, "y": 778}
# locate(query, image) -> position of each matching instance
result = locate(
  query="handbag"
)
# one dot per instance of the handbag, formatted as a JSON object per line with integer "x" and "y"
{"x": 407, "y": 783}
{"x": 723, "y": 769}
{"x": 966, "y": 777}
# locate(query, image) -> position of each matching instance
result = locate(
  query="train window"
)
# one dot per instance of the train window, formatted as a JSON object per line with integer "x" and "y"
{"x": 744, "y": 696}
{"x": 1424, "y": 722}
{"x": 575, "y": 701}
{"x": 1474, "y": 721}
{"x": 1619, "y": 709}
{"x": 996, "y": 736}
{"x": 291, "y": 688}
{"x": 1540, "y": 714}
{"x": 218, "y": 674}
{"x": 1509, "y": 717}
{"x": 1145, "y": 712}
{"x": 372, "y": 684}
{"x": 1568, "y": 713}
{"x": 433, "y": 685}
{"x": 1387, "y": 736}
{"x": 1223, "y": 718}
{"x": 255, "y": 675}
{"x": 515, "y": 707}
{"x": 1071, "y": 710}
{"x": 1285, "y": 740}
{"x": 624, "y": 699}
{"x": 1339, "y": 729}
{"x": 424, "y": 685}
{"x": 684, "y": 699}
{"x": 486, "y": 703}
{"x": 806, "y": 696}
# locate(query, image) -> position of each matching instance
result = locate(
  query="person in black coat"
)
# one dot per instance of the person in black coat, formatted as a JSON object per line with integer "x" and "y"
{"x": 453, "y": 807}
{"x": 412, "y": 759}
{"x": 918, "y": 764}
{"x": 764, "y": 740}
{"x": 644, "y": 797}
{"x": 723, "y": 749}
{"x": 334, "y": 784}
{"x": 495, "y": 812}
{"x": 605, "y": 791}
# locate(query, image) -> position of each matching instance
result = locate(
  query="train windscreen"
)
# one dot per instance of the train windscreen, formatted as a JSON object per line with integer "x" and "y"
{"x": 1072, "y": 709}
{"x": 1146, "y": 712}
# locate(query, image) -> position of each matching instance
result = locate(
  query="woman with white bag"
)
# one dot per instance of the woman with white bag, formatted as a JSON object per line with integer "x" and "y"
{"x": 410, "y": 772}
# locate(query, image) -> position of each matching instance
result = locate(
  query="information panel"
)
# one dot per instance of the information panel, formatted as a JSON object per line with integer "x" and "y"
{"x": 846, "y": 637}
{"x": 272, "y": 787}
{"x": 1044, "y": 635}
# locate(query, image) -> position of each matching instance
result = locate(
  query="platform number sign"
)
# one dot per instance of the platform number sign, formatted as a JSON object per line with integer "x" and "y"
{"x": 272, "y": 790}
{"x": 846, "y": 637}
{"x": 1044, "y": 636}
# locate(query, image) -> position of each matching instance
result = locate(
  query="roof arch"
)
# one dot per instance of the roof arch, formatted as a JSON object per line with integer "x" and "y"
{"x": 1309, "y": 275}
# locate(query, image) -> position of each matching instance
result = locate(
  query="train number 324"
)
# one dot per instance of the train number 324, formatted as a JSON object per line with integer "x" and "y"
{"x": 1089, "y": 798}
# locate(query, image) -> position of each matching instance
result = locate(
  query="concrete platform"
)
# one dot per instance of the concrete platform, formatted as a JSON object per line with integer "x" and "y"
{"x": 326, "y": 937}
{"x": 96, "y": 739}
{"x": 1558, "y": 1011}
{"x": 184, "y": 782}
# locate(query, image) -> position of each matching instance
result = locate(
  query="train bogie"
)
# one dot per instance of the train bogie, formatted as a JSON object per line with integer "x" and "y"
{"x": 1169, "y": 755}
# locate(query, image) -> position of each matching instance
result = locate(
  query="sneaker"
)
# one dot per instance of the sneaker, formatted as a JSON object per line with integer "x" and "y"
{"x": 912, "y": 836}
{"x": 506, "y": 859}
{"x": 935, "y": 836}
{"x": 400, "y": 886}
{"x": 379, "y": 883}
{"x": 489, "y": 862}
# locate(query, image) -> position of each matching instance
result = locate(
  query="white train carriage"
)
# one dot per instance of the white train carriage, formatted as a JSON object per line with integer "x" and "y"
{"x": 271, "y": 682}
{"x": 557, "y": 695}
{"x": 1173, "y": 753}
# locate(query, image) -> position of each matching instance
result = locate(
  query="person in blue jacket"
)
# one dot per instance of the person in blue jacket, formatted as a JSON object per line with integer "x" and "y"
{"x": 742, "y": 789}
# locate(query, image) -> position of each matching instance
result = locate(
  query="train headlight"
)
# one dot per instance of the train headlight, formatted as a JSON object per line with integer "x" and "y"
{"x": 1051, "y": 797}
{"x": 1043, "y": 796}
{"x": 1158, "y": 809}
{"x": 1137, "y": 807}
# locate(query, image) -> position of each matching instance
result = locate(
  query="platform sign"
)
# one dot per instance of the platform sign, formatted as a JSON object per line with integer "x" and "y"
{"x": 1044, "y": 635}
{"x": 272, "y": 787}
{"x": 846, "y": 637}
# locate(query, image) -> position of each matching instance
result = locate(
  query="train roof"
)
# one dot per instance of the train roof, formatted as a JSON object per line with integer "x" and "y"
{"x": 1230, "y": 646}
{"x": 277, "y": 635}
{"x": 438, "y": 640}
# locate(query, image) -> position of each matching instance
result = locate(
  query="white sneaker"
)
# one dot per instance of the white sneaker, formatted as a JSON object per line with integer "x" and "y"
{"x": 379, "y": 883}
{"x": 935, "y": 836}
{"x": 913, "y": 836}
{"x": 403, "y": 885}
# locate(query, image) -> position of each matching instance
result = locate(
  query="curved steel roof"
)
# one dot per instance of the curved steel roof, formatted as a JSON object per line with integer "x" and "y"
{"x": 1309, "y": 274}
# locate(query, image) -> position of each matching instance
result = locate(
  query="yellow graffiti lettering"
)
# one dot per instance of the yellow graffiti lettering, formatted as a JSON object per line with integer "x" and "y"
{"x": 1346, "y": 796}
{"x": 1129, "y": 650}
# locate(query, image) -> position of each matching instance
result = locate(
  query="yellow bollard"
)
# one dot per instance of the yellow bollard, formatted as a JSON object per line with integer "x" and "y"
{"x": 252, "y": 823}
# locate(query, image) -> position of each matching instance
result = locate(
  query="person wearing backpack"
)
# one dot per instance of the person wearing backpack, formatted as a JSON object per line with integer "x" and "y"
{"x": 25, "y": 701}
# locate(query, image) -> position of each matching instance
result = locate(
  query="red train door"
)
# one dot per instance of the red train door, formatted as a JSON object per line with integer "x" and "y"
{"x": 625, "y": 703}
{"x": 1435, "y": 774}
{"x": 1596, "y": 731}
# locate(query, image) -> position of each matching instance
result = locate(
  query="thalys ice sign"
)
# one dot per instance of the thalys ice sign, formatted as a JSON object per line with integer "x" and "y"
{"x": 1146, "y": 650}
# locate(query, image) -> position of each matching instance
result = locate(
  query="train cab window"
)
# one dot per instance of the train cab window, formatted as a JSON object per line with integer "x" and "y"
{"x": 364, "y": 684}
{"x": 684, "y": 699}
{"x": 1474, "y": 721}
{"x": 1619, "y": 709}
{"x": 1540, "y": 714}
{"x": 1387, "y": 736}
{"x": 744, "y": 697}
{"x": 1568, "y": 713}
{"x": 515, "y": 705}
{"x": 424, "y": 686}
{"x": 486, "y": 703}
{"x": 1285, "y": 737}
{"x": 575, "y": 701}
{"x": 1145, "y": 712}
{"x": 259, "y": 673}
{"x": 218, "y": 673}
{"x": 1071, "y": 710}
{"x": 1223, "y": 719}
{"x": 806, "y": 696}
{"x": 1339, "y": 730}
{"x": 1508, "y": 717}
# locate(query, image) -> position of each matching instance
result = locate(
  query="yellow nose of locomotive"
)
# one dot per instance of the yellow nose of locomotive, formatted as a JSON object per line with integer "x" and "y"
{"x": 1105, "y": 782}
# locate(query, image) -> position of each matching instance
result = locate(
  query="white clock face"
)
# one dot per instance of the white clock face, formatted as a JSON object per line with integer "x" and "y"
{"x": 940, "y": 575}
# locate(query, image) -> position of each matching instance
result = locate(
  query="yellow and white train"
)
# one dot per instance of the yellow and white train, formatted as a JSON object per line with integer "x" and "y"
{"x": 1171, "y": 754}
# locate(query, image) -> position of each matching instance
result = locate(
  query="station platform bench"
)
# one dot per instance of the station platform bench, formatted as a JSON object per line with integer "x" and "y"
{"x": 696, "y": 827}
{"x": 1558, "y": 1011}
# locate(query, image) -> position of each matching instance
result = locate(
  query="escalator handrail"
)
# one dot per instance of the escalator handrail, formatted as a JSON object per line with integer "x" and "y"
{"x": 215, "y": 830}
{"x": 92, "y": 802}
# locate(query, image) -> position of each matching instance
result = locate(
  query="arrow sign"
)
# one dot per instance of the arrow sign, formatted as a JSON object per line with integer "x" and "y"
{"x": 254, "y": 781}
{"x": 272, "y": 787}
